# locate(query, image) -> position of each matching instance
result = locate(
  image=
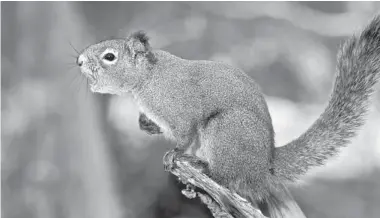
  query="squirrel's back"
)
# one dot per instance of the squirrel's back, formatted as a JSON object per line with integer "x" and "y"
{"x": 206, "y": 85}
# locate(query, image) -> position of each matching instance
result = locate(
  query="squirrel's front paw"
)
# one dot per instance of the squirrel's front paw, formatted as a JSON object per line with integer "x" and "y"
{"x": 170, "y": 157}
{"x": 148, "y": 125}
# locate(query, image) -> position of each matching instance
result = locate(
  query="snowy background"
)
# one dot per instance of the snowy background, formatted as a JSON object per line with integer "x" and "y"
{"x": 67, "y": 153}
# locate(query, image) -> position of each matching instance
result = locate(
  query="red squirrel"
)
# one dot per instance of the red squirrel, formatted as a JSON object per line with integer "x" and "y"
{"x": 220, "y": 110}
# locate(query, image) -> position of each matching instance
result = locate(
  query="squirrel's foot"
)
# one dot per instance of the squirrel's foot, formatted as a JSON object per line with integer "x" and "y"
{"x": 196, "y": 162}
{"x": 177, "y": 154}
{"x": 170, "y": 157}
{"x": 148, "y": 125}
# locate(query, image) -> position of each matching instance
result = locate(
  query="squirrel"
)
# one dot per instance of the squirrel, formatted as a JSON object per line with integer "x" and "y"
{"x": 220, "y": 112}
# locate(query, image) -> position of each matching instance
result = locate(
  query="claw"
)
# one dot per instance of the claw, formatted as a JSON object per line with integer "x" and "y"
{"x": 170, "y": 157}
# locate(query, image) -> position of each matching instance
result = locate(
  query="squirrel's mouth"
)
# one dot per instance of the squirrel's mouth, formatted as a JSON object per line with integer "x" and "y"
{"x": 90, "y": 76}
{"x": 92, "y": 79}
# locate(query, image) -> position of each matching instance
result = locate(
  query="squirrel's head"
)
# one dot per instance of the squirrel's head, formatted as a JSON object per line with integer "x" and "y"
{"x": 117, "y": 65}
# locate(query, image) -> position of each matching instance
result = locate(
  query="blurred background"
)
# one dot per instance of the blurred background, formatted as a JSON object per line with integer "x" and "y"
{"x": 70, "y": 153}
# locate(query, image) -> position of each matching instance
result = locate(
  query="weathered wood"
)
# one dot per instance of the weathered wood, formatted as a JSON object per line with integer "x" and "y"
{"x": 190, "y": 175}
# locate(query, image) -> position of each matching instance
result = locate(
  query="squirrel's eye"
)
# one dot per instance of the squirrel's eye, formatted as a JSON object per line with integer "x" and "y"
{"x": 109, "y": 57}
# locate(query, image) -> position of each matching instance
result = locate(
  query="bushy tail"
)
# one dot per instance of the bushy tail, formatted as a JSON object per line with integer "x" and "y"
{"x": 357, "y": 72}
{"x": 278, "y": 203}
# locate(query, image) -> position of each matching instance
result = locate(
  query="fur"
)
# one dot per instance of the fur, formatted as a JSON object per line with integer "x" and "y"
{"x": 221, "y": 109}
{"x": 357, "y": 73}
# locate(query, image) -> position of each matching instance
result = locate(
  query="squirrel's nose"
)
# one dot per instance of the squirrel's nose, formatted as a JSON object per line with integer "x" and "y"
{"x": 80, "y": 60}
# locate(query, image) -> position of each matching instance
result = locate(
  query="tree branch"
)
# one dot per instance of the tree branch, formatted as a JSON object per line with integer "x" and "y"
{"x": 190, "y": 175}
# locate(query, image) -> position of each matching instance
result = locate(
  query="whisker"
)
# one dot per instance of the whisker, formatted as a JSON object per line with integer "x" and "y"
{"x": 80, "y": 85}
{"x": 70, "y": 67}
{"x": 86, "y": 89}
{"x": 71, "y": 79}
{"x": 73, "y": 47}
{"x": 75, "y": 79}
{"x": 69, "y": 64}
{"x": 73, "y": 56}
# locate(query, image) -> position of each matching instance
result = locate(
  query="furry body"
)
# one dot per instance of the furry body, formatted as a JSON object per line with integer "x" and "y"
{"x": 220, "y": 111}
{"x": 219, "y": 106}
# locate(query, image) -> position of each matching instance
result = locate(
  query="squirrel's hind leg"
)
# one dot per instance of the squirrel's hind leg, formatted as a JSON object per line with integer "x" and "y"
{"x": 238, "y": 146}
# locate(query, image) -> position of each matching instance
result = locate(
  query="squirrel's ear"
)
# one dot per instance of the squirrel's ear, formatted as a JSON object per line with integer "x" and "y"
{"x": 138, "y": 46}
